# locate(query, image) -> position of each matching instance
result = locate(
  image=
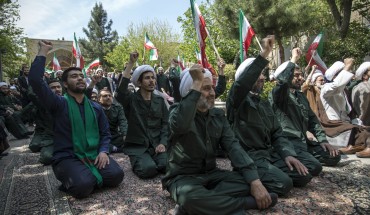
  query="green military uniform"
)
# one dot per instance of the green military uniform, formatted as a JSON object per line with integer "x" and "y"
{"x": 14, "y": 123}
{"x": 42, "y": 140}
{"x": 260, "y": 134}
{"x": 296, "y": 118}
{"x": 117, "y": 124}
{"x": 163, "y": 82}
{"x": 192, "y": 178}
{"x": 147, "y": 128}
{"x": 174, "y": 77}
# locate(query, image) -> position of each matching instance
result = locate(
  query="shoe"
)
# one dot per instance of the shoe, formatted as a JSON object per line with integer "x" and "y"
{"x": 351, "y": 149}
{"x": 179, "y": 210}
{"x": 252, "y": 204}
{"x": 364, "y": 153}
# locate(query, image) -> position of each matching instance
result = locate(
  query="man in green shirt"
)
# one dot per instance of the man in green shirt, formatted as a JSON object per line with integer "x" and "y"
{"x": 296, "y": 117}
{"x": 147, "y": 116}
{"x": 197, "y": 129}
{"x": 116, "y": 118}
{"x": 259, "y": 131}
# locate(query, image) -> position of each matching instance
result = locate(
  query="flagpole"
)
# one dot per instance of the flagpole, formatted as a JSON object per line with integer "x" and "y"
{"x": 143, "y": 56}
{"x": 213, "y": 44}
{"x": 258, "y": 42}
{"x": 312, "y": 53}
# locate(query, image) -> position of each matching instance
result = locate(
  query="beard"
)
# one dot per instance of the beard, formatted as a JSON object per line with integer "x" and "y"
{"x": 77, "y": 90}
{"x": 256, "y": 89}
{"x": 204, "y": 104}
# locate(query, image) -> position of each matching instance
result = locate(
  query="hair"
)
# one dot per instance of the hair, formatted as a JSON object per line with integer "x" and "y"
{"x": 103, "y": 90}
{"x": 65, "y": 73}
{"x": 52, "y": 80}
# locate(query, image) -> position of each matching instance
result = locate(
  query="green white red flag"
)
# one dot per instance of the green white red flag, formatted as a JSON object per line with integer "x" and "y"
{"x": 153, "y": 54}
{"x": 147, "y": 43}
{"x": 181, "y": 66}
{"x": 200, "y": 28}
{"x": 56, "y": 65}
{"x": 77, "y": 53}
{"x": 313, "y": 55}
{"x": 246, "y": 33}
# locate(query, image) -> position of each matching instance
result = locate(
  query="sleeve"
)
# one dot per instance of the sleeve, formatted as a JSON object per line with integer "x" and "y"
{"x": 52, "y": 102}
{"x": 124, "y": 95}
{"x": 122, "y": 120}
{"x": 239, "y": 158}
{"x": 104, "y": 132}
{"x": 221, "y": 86}
{"x": 315, "y": 128}
{"x": 337, "y": 85}
{"x": 245, "y": 82}
{"x": 182, "y": 114}
{"x": 280, "y": 93}
{"x": 281, "y": 144}
{"x": 164, "y": 127}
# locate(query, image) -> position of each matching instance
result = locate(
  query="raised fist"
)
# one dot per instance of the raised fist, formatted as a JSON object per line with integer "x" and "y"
{"x": 196, "y": 72}
{"x": 134, "y": 56}
{"x": 267, "y": 44}
{"x": 221, "y": 63}
{"x": 296, "y": 54}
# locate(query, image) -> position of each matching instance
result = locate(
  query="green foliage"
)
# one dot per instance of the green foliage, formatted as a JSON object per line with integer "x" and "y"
{"x": 229, "y": 72}
{"x": 10, "y": 39}
{"x": 355, "y": 45}
{"x": 267, "y": 88}
{"x": 101, "y": 39}
{"x": 160, "y": 33}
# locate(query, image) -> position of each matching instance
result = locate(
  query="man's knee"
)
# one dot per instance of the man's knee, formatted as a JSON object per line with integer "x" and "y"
{"x": 302, "y": 180}
{"x": 82, "y": 188}
{"x": 114, "y": 177}
{"x": 331, "y": 161}
{"x": 145, "y": 169}
{"x": 282, "y": 186}
{"x": 315, "y": 168}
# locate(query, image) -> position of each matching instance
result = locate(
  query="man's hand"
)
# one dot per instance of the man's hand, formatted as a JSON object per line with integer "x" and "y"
{"x": 44, "y": 47}
{"x": 293, "y": 162}
{"x": 259, "y": 192}
{"x": 221, "y": 66}
{"x": 8, "y": 112}
{"x": 196, "y": 72}
{"x": 133, "y": 57}
{"x": 326, "y": 146}
{"x": 348, "y": 64}
{"x": 296, "y": 54}
{"x": 18, "y": 107}
{"x": 102, "y": 160}
{"x": 160, "y": 149}
{"x": 267, "y": 44}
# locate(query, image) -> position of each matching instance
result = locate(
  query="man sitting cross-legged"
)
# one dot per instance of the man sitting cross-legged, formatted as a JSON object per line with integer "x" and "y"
{"x": 116, "y": 118}
{"x": 258, "y": 129}
{"x": 147, "y": 117}
{"x": 197, "y": 129}
{"x": 81, "y": 132}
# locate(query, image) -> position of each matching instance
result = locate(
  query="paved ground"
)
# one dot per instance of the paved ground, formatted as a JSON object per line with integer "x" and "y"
{"x": 27, "y": 187}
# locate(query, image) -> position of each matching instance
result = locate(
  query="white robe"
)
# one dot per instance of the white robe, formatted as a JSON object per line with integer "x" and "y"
{"x": 361, "y": 102}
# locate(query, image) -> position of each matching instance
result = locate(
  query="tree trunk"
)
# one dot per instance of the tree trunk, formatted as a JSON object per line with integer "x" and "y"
{"x": 281, "y": 51}
{"x": 342, "y": 22}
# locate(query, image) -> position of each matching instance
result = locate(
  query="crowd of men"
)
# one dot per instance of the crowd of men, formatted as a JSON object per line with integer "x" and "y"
{"x": 167, "y": 124}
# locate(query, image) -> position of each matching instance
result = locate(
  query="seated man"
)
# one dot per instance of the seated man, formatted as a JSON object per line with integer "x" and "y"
{"x": 259, "y": 131}
{"x": 42, "y": 140}
{"x": 81, "y": 134}
{"x": 296, "y": 117}
{"x": 14, "y": 114}
{"x": 147, "y": 117}
{"x": 197, "y": 129}
{"x": 116, "y": 118}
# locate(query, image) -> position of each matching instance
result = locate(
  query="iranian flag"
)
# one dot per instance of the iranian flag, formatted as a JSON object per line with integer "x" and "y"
{"x": 77, "y": 53}
{"x": 246, "y": 33}
{"x": 147, "y": 43}
{"x": 181, "y": 65}
{"x": 314, "y": 52}
{"x": 200, "y": 28}
{"x": 93, "y": 64}
{"x": 153, "y": 54}
{"x": 56, "y": 65}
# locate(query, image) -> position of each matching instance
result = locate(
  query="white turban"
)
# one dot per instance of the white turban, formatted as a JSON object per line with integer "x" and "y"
{"x": 3, "y": 84}
{"x": 280, "y": 69}
{"x": 187, "y": 81}
{"x": 95, "y": 91}
{"x": 243, "y": 66}
{"x": 315, "y": 75}
{"x": 362, "y": 69}
{"x": 13, "y": 88}
{"x": 140, "y": 70}
{"x": 333, "y": 70}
